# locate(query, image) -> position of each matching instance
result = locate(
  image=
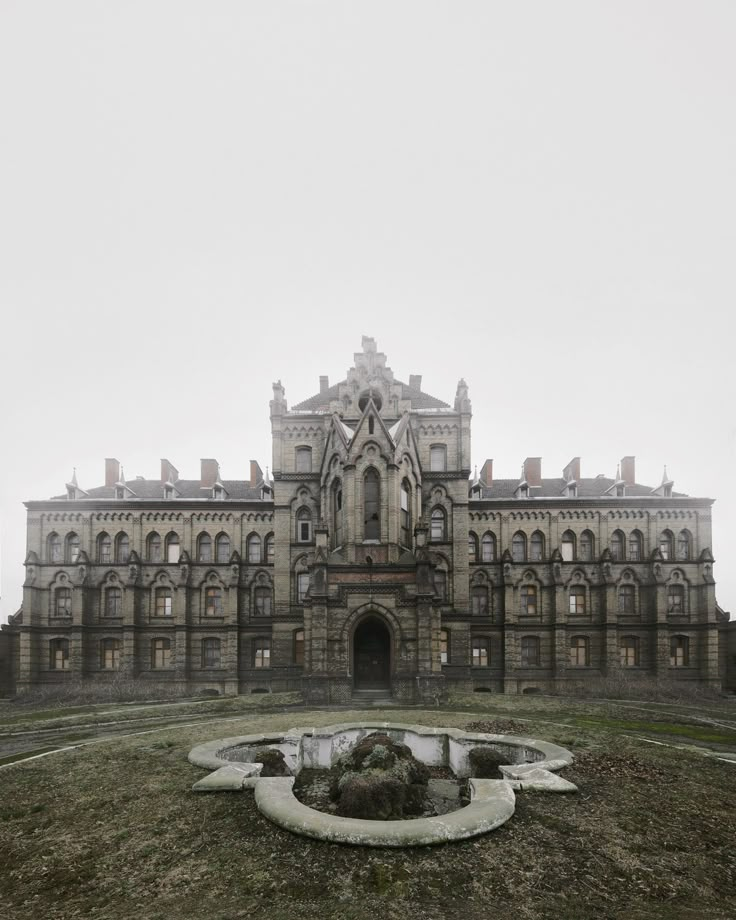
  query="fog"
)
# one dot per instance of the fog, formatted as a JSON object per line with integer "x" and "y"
{"x": 197, "y": 199}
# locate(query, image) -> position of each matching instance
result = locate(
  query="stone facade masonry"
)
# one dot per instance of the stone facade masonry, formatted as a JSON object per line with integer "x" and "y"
{"x": 368, "y": 564}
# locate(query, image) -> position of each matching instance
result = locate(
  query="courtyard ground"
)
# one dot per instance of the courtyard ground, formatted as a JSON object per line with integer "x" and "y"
{"x": 110, "y": 829}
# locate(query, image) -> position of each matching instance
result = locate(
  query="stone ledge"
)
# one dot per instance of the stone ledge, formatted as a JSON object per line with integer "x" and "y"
{"x": 492, "y": 803}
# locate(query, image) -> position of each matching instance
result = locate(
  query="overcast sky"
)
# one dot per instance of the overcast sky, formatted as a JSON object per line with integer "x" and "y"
{"x": 197, "y": 199}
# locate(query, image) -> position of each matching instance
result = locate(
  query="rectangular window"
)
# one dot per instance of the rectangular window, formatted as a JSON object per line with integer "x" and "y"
{"x": 113, "y": 602}
{"x": 479, "y": 601}
{"x": 210, "y": 653}
{"x": 438, "y": 458}
{"x": 440, "y": 585}
{"x": 304, "y": 460}
{"x": 529, "y": 600}
{"x": 444, "y": 646}
{"x": 263, "y": 602}
{"x": 213, "y": 603}
{"x": 63, "y": 607}
{"x": 161, "y": 657}
{"x": 577, "y": 600}
{"x": 480, "y": 653}
{"x": 111, "y": 656}
{"x": 172, "y": 553}
{"x": 302, "y": 587}
{"x": 305, "y": 531}
{"x": 261, "y": 653}
{"x": 164, "y": 602}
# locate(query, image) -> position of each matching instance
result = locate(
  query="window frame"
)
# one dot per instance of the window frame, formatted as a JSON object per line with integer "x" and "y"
{"x": 59, "y": 654}
{"x": 262, "y": 601}
{"x": 480, "y": 644}
{"x": 214, "y": 602}
{"x": 371, "y": 525}
{"x": 54, "y": 549}
{"x": 529, "y": 592}
{"x": 629, "y": 652}
{"x": 63, "y": 592}
{"x": 577, "y": 601}
{"x": 211, "y": 653}
{"x": 438, "y": 525}
{"x": 204, "y": 548}
{"x": 113, "y": 601}
{"x": 479, "y": 593}
{"x": 519, "y": 547}
{"x": 488, "y": 547}
{"x": 437, "y": 458}
{"x": 298, "y": 647}
{"x": 444, "y": 646}
{"x": 679, "y": 649}
{"x": 533, "y": 660}
{"x": 222, "y": 549}
{"x": 163, "y": 593}
{"x": 303, "y": 459}
{"x": 626, "y": 596}
{"x": 302, "y": 586}
{"x": 579, "y": 644}
{"x": 113, "y": 647}
{"x": 261, "y": 652}
{"x": 160, "y": 653}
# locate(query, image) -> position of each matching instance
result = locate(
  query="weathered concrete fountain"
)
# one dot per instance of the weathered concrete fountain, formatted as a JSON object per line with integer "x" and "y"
{"x": 528, "y": 764}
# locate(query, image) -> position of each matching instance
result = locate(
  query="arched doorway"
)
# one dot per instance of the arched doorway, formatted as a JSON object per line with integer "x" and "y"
{"x": 372, "y": 655}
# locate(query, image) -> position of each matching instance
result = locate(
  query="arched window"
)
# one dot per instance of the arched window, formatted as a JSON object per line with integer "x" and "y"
{"x": 666, "y": 544}
{"x": 438, "y": 526}
{"x": 303, "y": 459}
{"x": 299, "y": 647}
{"x": 53, "y": 545}
{"x": 438, "y": 458}
{"x": 302, "y": 587}
{"x": 488, "y": 548}
{"x": 113, "y": 602}
{"x": 303, "y": 525}
{"x": 529, "y": 600}
{"x": 440, "y": 584}
{"x": 337, "y": 512}
{"x": 444, "y": 646}
{"x": 161, "y": 653}
{"x": 629, "y": 651}
{"x": 518, "y": 547}
{"x": 164, "y": 602}
{"x": 213, "y": 602}
{"x": 406, "y": 535}
{"x": 617, "y": 546}
{"x": 63, "y": 602}
{"x": 269, "y": 549}
{"x": 262, "y": 653}
{"x": 587, "y": 546}
{"x": 262, "y": 601}
{"x": 635, "y": 544}
{"x": 567, "y": 546}
{"x": 479, "y": 600}
{"x": 254, "y": 548}
{"x": 580, "y": 652}
{"x": 577, "y": 600}
{"x": 537, "y": 547}
{"x": 110, "y": 654}
{"x": 472, "y": 548}
{"x": 173, "y": 548}
{"x": 530, "y": 652}
{"x": 104, "y": 549}
{"x": 371, "y": 424}
{"x": 122, "y": 548}
{"x": 204, "y": 548}
{"x": 480, "y": 647}
{"x": 676, "y": 599}
{"x": 153, "y": 548}
{"x": 372, "y": 505}
{"x": 222, "y": 548}
{"x": 210, "y": 653}
{"x": 684, "y": 545}
{"x": 59, "y": 654}
{"x": 71, "y": 548}
{"x": 679, "y": 652}
{"x": 627, "y": 599}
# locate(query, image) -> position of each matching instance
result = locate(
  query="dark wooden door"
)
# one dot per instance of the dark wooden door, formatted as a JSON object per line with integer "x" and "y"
{"x": 372, "y": 646}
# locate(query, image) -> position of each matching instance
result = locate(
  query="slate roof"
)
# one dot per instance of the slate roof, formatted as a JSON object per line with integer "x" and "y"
{"x": 555, "y": 488}
{"x": 153, "y": 490}
{"x": 321, "y": 401}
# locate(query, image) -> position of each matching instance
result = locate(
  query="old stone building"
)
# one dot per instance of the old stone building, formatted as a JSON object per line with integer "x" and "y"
{"x": 369, "y": 563}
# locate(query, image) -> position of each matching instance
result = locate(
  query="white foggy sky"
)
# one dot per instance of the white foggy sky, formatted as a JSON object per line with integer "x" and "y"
{"x": 199, "y": 198}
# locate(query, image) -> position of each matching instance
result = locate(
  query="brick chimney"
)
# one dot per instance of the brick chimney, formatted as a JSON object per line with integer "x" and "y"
{"x": 112, "y": 471}
{"x": 324, "y": 384}
{"x": 210, "y": 472}
{"x": 628, "y": 470}
{"x": 486, "y": 473}
{"x": 415, "y": 381}
{"x": 533, "y": 471}
{"x": 572, "y": 470}
{"x": 169, "y": 472}
{"x": 256, "y": 473}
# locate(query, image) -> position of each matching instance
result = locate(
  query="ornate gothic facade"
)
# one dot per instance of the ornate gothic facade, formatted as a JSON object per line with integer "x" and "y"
{"x": 369, "y": 564}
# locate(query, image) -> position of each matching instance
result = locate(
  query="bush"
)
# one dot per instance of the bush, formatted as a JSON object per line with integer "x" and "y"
{"x": 620, "y": 685}
{"x": 120, "y": 688}
{"x": 484, "y": 763}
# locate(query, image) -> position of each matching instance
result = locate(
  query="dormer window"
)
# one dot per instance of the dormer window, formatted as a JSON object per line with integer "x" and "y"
{"x": 572, "y": 490}
{"x": 218, "y": 493}
{"x": 168, "y": 492}
{"x": 119, "y": 492}
{"x": 523, "y": 491}
{"x": 668, "y": 490}
{"x": 620, "y": 490}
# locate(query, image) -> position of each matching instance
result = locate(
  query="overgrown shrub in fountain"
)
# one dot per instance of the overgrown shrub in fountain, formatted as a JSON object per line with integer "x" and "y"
{"x": 379, "y": 779}
{"x": 484, "y": 763}
{"x": 274, "y": 762}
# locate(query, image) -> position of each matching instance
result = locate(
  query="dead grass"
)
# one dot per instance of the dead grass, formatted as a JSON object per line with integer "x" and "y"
{"x": 112, "y": 831}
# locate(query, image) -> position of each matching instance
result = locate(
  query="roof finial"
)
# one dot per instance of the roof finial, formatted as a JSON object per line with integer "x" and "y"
{"x": 664, "y": 474}
{"x": 74, "y": 477}
{"x": 618, "y": 472}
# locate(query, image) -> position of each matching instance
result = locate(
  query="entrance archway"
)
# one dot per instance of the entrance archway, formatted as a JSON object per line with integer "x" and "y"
{"x": 372, "y": 655}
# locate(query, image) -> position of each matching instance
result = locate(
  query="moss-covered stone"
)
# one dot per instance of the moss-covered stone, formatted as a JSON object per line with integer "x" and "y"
{"x": 485, "y": 761}
{"x": 274, "y": 762}
{"x": 379, "y": 779}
